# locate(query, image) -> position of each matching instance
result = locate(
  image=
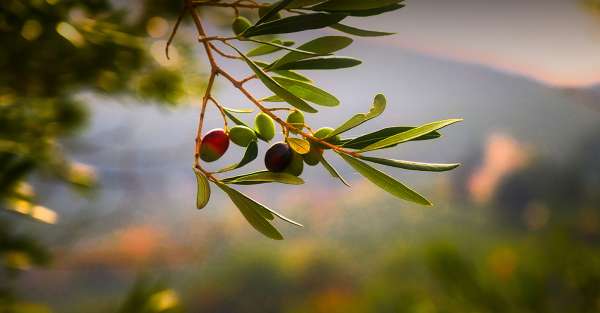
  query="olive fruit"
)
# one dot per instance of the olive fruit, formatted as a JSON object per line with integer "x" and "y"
{"x": 313, "y": 157}
{"x": 264, "y": 126}
{"x": 242, "y": 135}
{"x": 323, "y": 132}
{"x": 296, "y": 118}
{"x": 296, "y": 166}
{"x": 213, "y": 145}
{"x": 278, "y": 157}
{"x": 240, "y": 24}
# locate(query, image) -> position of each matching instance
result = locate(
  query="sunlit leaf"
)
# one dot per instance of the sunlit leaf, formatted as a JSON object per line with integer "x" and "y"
{"x": 238, "y": 110}
{"x": 323, "y": 45}
{"x": 308, "y": 92}
{"x": 367, "y": 139}
{"x": 279, "y": 46}
{"x": 203, "y": 190}
{"x": 358, "y": 31}
{"x": 415, "y": 166}
{"x": 384, "y": 181}
{"x": 293, "y": 24}
{"x": 253, "y": 212}
{"x": 320, "y": 63}
{"x": 333, "y": 171}
{"x": 378, "y": 107}
{"x": 293, "y": 75}
{"x": 276, "y": 87}
{"x": 262, "y": 177}
{"x": 299, "y": 145}
{"x": 410, "y": 134}
{"x": 249, "y": 156}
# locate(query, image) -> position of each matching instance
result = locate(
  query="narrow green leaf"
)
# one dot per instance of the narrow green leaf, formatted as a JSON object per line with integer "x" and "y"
{"x": 276, "y": 87}
{"x": 368, "y": 12}
{"x": 415, "y": 166}
{"x": 296, "y": 4}
{"x": 367, "y": 139}
{"x": 238, "y": 110}
{"x": 378, "y": 107}
{"x": 249, "y": 156}
{"x": 293, "y": 75}
{"x": 409, "y": 134}
{"x": 253, "y": 211}
{"x": 359, "y": 32}
{"x": 353, "y": 5}
{"x": 308, "y": 92}
{"x": 264, "y": 177}
{"x": 323, "y": 45}
{"x": 273, "y": 9}
{"x": 299, "y": 145}
{"x": 203, "y": 190}
{"x": 279, "y": 46}
{"x": 320, "y": 63}
{"x": 293, "y": 24}
{"x": 384, "y": 181}
{"x": 333, "y": 171}
{"x": 235, "y": 119}
{"x": 263, "y": 49}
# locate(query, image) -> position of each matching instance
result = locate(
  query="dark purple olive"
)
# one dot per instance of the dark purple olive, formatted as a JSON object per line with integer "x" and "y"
{"x": 278, "y": 157}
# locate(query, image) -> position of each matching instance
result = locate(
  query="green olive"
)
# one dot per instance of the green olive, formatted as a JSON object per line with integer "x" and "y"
{"x": 296, "y": 165}
{"x": 296, "y": 118}
{"x": 323, "y": 133}
{"x": 264, "y": 126}
{"x": 240, "y": 24}
{"x": 313, "y": 157}
{"x": 241, "y": 135}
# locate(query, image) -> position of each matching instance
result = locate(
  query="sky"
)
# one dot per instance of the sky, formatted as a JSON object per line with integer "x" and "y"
{"x": 556, "y": 42}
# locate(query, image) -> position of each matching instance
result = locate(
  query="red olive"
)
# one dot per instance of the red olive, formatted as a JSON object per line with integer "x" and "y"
{"x": 278, "y": 157}
{"x": 214, "y": 145}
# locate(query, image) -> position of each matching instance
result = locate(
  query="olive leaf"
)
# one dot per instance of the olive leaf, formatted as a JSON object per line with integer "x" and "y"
{"x": 367, "y": 139}
{"x": 253, "y": 212}
{"x": 415, "y": 166}
{"x": 299, "y": 145}
{"x": 203, "y": 190}
{"x": 293, "y": 75}
{"x": 238, "y": 110}
{"x": 276, "y": 87}
{"x": 262, "y": 177}
{"x": 273, "y": 9}
{"x": 358, "y": 31}
{"x": 409, "y": 134}
{"x": 384, "y": 181}
{"x": 353, "y": 5}
{"x": 307, "y": 92}
{"x": 263, "y": 49}
{"x": 367, "y": 12}
{"x": 279, "y": 46}
{"x": 333, "y": 171}
{"x": 322, "y": 45}
{"x": 293, "y": 24}
{"x": 378, "y": 107}
{"x": 249, "y": 156}
{"x": 321, "y": 63}
{"x": 296, "y": 4}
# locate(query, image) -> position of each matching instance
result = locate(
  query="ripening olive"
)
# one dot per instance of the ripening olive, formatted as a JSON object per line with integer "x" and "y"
{"x": 278, "y": 157}
{"x": 264, "y": 126}
{"x": 296, "y": 118}
{"x": 263, "y": 10}
{"x": 213, "y": 145}
{"x": 324, "y": 132}
{"x": 240, "y": 24}
{"x": 296, "y": 165}
{"x": 313, "y": 157}
{"x": 242, "y": 135}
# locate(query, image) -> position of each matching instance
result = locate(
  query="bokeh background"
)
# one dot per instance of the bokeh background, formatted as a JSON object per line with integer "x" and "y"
{"x": 96, "y": 147}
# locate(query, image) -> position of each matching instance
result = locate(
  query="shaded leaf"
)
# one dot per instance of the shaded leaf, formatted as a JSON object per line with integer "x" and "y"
{"x": 249, "y": 156}
{"x": 295, "y": 4}
{"x": 410, "y": 134}
{"x": 299, "y": 145}
{"x": 367, "y": 139}
{"x": 308, "y": 92}
{"x": 293, "y": 24}
{"x": 279, "y": 46}
{"x": 333, "y": 171}
{"x": 415, "y": 166}
{"x": 353, "y": 5}
{"x": 384, "y": 181}
{"x": 273, "y": 9}
{"x": 276, "y": 87}
{"x": 262, "y": 177}
{"x": 368, "y": 12}
{"x": 323, "y": 45}
{"x": 203, "y": 190}
{"x": 378, "y": 107}
{"x": 320, "y": 63}
{"x": 358, "y": 31}
{"x": 253, "y": 211}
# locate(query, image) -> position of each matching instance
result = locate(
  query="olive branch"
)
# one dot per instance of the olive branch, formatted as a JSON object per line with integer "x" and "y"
{"x": 285, "y": 160}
